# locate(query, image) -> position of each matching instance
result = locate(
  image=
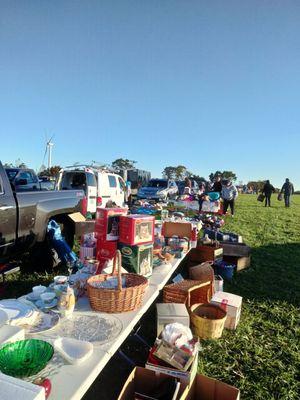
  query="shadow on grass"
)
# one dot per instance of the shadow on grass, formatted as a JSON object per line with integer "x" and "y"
{"x": 274, "y": 274}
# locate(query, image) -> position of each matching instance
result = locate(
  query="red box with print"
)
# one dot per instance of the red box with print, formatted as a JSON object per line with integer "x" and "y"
{"x": 136, "y": 229}
{"x": 106, "y": 249}
{"x": 107, "y": 223}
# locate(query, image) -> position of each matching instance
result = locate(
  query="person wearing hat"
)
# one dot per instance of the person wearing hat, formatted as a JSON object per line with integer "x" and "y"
{"x": 229, "y": 194}
{"x": 287, "y": 190}
{"x": 268, "y": 189}
{"x": 217, "y": 186}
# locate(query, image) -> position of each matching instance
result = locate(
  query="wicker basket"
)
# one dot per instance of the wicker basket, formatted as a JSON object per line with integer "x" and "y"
{"x": 117, "y": 300}
{"x": 179, "y": 292}
{"x": 207, "y": 320}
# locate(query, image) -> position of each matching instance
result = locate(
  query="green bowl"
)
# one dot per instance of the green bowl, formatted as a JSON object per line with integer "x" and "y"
{"x": 25, "y": 357}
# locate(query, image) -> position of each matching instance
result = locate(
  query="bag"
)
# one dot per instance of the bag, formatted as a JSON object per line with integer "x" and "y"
{"x": 261, "y": 197}
{"x": 279, "y": 197}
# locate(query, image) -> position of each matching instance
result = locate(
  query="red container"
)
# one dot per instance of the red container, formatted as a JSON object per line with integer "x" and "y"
{"x": 106, "y": 249}
{"x": 136, "y": 229}
{"x": 107, "y": 223}
{"x": 102, "y": 263}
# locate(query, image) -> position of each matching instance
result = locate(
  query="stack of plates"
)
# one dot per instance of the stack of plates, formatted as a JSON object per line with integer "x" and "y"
{"x": 18, "y": 313}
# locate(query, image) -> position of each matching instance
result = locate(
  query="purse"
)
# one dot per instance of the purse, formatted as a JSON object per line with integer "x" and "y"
{"x": 279, "y": 197}
{"x": 261, "y": 197}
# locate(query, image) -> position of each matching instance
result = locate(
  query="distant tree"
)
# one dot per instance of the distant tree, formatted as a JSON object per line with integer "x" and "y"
{"x": 53, "y": 171}
{"x": 123, "y": 163}
{"x": 224, "y": 175}
{"x": 257, "y": 186}
{"x": 169, "y": 173}
{"x": 8, "y": 165}
{"x": 181, "y": 172}
{"x": 197, "y": 178}
{"x": 20, "y": 164}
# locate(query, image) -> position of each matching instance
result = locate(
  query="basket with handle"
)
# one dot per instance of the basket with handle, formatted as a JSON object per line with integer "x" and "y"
{"x": 178, "y": 292}
{"x": 119, "y": 299}
{"x": 207, "y": 319}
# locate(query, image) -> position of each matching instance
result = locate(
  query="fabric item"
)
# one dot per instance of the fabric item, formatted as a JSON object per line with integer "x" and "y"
{"x": 287, "y": 188}
{"x": 228, "y": 203}
{"x": 268, "y": 189}
{"x": 229, "y": 192}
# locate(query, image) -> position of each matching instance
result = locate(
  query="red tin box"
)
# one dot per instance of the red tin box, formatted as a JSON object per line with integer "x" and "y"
{"x": 106, "y": 249}
{"x": 107, "y": 223}
{"x": 136, "y": 229}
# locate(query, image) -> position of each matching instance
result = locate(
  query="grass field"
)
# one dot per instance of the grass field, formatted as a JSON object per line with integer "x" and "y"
{"x": 262, "y": 357}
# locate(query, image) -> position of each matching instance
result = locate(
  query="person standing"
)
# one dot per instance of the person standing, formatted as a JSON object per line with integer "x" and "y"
{"x": 287, "y": 190}
{"x": 217, "y": 186}
{"x": 229, "y": 194}
{"x": 268, "y": 189}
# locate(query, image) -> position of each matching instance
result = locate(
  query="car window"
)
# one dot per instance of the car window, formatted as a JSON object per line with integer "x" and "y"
{"x": 25, "y": 175}
{"x": 91, "y": 179}
{"x": 112, "y": 181}
{"x": 156, "y": 183}
{"x": 122, "y": 184}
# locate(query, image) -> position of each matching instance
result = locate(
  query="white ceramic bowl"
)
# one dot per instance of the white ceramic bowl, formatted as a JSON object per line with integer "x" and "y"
{"x": 47, "y": 297}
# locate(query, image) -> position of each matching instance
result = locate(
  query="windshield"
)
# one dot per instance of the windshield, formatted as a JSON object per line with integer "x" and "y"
{"x": 158, "y": 183}
{"x": 11, "y": 173}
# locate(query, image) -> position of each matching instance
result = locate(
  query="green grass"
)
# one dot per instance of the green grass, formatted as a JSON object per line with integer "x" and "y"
{"x": 262, "y": 356}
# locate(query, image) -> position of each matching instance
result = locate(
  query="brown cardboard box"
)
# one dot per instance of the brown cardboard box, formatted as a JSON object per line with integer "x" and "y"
{"x": 232, "y": 304}
{"x": 185, "y": 376}
{"x": 204, "y": 253}
{"x": 205, "y": 388}
{"x": 235, "y": 249}
{"x": 143, "y": 380}
{"x": 181, "y": 229}
{"x": 81, "y": 224}
{"x": 240, "y": 262}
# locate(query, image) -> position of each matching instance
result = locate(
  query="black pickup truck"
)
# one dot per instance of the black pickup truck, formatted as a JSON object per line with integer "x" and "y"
{"x": 24, "y": 217}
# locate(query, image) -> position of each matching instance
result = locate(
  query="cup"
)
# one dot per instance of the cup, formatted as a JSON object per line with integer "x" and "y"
{"x": 60, "y": 279}
{"x": 48, "y": 297}
{"x": 38, "y": 290}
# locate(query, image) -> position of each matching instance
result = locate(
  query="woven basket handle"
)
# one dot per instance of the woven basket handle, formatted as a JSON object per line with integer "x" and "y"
{"x": 190, "y": 290}
{"x": 117, "y": 268}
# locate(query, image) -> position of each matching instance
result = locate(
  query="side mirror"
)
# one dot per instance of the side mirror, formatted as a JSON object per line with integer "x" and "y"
{"x": 21, "y": 182}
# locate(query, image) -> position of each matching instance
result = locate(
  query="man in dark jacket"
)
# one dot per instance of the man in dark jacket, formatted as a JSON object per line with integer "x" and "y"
{"x": 268, "y": 189}
{"x": 287, "y": 190}
{"x": 217, "y": 186}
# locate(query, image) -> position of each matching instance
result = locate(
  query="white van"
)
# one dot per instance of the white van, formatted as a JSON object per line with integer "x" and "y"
{"x": 99, "y": 185}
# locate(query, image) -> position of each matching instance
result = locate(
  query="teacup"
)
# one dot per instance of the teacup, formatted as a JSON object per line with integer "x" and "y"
{"x": 60, "y": 279}
{"x": 48, "y": 297}
{"x": 38, "y": 290}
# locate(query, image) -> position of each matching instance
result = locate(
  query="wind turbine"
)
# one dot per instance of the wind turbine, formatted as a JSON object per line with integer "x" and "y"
{"x": 48, "y": 149}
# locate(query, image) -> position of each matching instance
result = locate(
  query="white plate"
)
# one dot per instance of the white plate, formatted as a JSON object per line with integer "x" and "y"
{"x": 73, "y": 350}
{"x": 3, "y": 317}
{"x": 41, "y": 304}
{"x": 16, "y": 309}
{"x": 44, "y": 322}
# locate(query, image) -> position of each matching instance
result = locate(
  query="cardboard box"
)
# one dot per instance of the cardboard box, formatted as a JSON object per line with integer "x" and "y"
{"x": 235, "y": 249}
{"x": 107, "y": 223}
{"x": 167, "y": 313}
{"x": 138, "y": 259}
{"x": 184, "y": 376}
{"x": 240, "y": 262}
{"x": 233, "y": 306}
{"x": 204, "y": 253}
{"x": 136, "y": 229}
{"x": 180, "y": 229}
{"x": 143, "y": 380}
{"x": 82, "y": 225}
{"x": 205, "y": 388}
{"x": 106, "y": 249}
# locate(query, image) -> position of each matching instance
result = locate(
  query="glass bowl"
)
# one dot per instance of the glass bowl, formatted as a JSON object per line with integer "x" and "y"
{"x": 25, "y": 357}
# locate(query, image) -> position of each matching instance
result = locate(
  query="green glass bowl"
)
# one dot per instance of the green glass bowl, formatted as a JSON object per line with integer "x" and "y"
{"x": 25, "y": 357}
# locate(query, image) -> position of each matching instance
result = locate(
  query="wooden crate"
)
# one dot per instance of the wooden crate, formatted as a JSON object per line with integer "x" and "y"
{"x": 240, "y": 262}
{"x": 204, "y": 253}
{"x": 235, "y": 249}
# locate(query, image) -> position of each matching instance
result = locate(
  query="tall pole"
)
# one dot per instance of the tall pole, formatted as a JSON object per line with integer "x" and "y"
{"x": 50, "y": 145}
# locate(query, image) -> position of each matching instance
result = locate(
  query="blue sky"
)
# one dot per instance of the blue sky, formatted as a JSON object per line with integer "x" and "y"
{"x": 208, "y": 84}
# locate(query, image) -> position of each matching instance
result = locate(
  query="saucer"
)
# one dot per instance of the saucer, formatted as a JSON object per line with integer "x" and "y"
{"x": 32, "y": 297}
{"x": 41, "y": 304}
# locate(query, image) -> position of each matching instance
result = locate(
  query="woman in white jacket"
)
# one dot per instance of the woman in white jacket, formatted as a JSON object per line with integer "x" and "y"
{"x": 229, "y": 194}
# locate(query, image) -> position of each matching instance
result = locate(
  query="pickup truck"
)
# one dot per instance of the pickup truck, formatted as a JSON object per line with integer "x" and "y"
{"x": 23, "y": 222}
